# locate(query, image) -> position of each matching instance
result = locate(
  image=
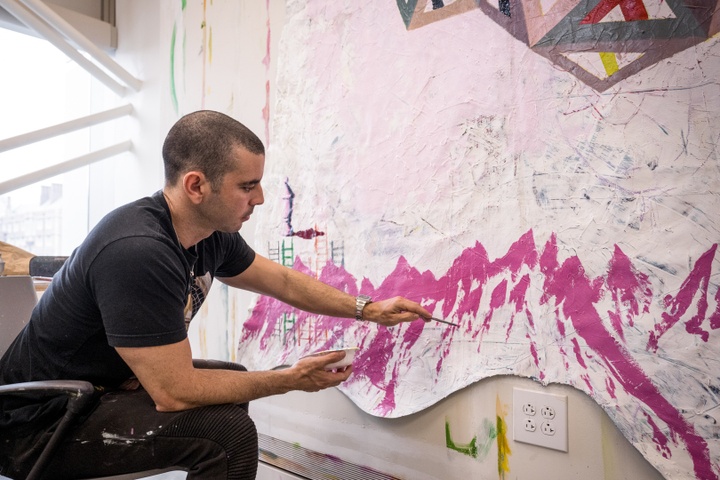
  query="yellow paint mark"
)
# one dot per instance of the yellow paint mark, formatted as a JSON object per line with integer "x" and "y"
{"x": 210, "y": 46}
{"x": 608, "y": 448}
{"x": 609, "y": 61}
{"x": 502, "y": 440}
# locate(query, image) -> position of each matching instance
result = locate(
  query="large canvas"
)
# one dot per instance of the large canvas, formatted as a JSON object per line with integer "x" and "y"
{"x": 544, "y": 174}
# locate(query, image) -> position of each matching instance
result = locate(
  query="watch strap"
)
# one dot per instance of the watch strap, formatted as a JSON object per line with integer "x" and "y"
{"x": 360, "y": 302}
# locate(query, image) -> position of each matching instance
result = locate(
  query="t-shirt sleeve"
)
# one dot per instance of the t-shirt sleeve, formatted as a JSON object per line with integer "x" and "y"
{"x": 237, "y": 255}
{"x": 140, "y": 286}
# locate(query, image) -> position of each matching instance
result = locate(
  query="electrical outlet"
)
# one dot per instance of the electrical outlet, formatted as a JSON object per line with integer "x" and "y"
{"x": 548, "y": 429}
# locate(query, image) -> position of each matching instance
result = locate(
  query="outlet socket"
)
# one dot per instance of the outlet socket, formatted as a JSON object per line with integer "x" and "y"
{"x": 530, "y": 425}
{"x": 540, "y": 418}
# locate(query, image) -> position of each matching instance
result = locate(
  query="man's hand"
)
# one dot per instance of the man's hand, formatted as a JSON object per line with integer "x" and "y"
{"x": 395, "y": 310}
{"x": 311, "y": 374}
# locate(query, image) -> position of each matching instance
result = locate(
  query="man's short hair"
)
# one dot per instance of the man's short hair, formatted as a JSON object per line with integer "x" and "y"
{"x": 204, "y": 141}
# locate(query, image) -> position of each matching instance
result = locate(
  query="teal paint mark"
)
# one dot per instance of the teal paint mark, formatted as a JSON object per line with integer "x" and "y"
{"x": 407, "y": 9}
{"x": 469, "y": 449}
{"x": 173, "y": 93}
{"x": 489, "y": 434}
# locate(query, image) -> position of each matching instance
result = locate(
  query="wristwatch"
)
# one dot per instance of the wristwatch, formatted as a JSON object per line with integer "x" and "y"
{"x": 360, "y": 302}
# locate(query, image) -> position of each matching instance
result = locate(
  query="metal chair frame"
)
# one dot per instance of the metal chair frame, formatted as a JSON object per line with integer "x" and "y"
{"x": 78, "y": 392}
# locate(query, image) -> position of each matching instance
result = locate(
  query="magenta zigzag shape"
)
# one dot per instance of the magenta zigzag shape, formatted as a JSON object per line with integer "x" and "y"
{"x": 566, "y": 289}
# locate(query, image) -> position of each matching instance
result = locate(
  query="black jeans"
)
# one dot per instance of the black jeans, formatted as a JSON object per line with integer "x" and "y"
{"x": 125, "y": 434}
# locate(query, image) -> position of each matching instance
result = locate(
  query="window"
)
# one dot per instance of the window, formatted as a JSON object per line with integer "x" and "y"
{"x": 42, "y": 87}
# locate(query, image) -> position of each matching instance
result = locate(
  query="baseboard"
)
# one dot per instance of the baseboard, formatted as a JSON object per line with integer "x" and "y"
{"x": 312, "y": 465}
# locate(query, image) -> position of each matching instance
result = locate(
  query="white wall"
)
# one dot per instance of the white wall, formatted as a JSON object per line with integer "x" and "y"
{"x": 412, "y": 447}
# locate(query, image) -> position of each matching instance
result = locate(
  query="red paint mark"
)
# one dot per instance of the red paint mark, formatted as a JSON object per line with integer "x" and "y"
{"x": 308, "y": 234}
{"x": 632, "y": 10}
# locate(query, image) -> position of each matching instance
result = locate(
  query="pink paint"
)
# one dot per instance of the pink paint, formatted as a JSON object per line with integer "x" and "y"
{"x": 497, "y": 300}
{"x": 560, "y": 325}
{"x": 531, "y": 320}
{"x": 565, "y": 288}
{"x": 565, "y": 359}
{"x": 574, "y": 292}
{"x": 715, "y": 317}
{"x": 610, "y": 386}
{"x": 578, "y": 353}
{"x": 661, "y": 441}
{"x": 697, "y": 282}
{"x": 536, "y": 357}
{"x": 517, "y": 298}
{"x": 629, "y": 290}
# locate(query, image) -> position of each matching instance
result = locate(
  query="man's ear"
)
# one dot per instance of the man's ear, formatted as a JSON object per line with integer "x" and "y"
{"x": 195, "y": 186}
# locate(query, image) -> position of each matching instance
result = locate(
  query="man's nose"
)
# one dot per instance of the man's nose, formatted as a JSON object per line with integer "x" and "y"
{"x": 260, "y": 197}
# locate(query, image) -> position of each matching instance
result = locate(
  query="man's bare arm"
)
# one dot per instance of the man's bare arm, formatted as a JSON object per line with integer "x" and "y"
{"x": 306, "y": 293}
{"x": 167, "y": 373}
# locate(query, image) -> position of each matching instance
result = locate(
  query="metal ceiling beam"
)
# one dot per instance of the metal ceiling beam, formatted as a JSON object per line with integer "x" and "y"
{"x": 65, "y": 127}
{"x": 64, "y": 167}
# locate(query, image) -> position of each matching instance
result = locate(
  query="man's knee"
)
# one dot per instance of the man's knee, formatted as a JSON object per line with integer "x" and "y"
{"x": 225, "y": 427}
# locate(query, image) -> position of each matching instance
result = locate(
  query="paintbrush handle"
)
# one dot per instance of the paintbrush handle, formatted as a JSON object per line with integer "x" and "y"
{"x": 444, "y": 321}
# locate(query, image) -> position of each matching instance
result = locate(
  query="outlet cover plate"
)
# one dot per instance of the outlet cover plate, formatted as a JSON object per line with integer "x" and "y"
{"x": 548, "y": 412}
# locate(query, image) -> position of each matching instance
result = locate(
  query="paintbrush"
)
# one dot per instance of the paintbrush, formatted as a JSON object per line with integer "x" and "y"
{"x": 443, "y": 321}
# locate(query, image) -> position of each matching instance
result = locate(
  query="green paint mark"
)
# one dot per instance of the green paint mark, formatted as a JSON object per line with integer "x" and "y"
{"x": 173, "y": 94}
{"x": 470, "y": 449}
{"x": 184, "y": 4}
{"x": 609, "y": 61}
{"x": 503, "y": 448}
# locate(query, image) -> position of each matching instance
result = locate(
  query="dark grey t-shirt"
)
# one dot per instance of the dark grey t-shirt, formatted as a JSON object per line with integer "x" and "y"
{"x": 127, "y": 285}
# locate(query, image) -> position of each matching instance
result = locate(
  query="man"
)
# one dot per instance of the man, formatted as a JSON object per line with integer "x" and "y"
{"x": 115, "y": 315}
